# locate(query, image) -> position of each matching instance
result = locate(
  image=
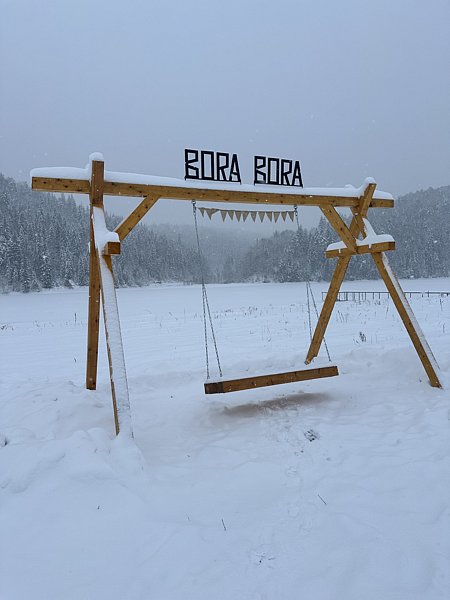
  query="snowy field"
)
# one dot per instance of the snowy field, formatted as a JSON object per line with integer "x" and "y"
{"x": 335, "y": 489}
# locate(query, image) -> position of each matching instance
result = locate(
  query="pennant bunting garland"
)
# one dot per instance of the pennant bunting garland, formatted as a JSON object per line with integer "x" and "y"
{"x": 272, "y": 215}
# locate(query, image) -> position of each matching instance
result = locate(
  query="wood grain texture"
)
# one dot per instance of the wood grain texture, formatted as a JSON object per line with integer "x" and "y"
{"x": 111, "y": 248}
{"x": 248, "y": 383}
{"x": 79, "y": 186}
{"x": 373, "y": 248}
{"x": 95, "y": 197}
{"x": 127, "y": 225}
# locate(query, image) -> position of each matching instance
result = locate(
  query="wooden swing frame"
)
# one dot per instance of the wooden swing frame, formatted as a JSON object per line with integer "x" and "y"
{"x": 96, "y": 183}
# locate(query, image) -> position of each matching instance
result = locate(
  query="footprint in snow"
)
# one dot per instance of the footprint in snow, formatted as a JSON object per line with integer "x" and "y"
{"x": 311, "y": 435}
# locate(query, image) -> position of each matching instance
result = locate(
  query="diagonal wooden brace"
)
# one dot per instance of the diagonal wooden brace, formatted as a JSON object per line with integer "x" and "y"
{"x": 127, "y": 225}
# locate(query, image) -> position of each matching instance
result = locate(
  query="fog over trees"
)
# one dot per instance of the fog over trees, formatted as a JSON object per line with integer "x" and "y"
{"x": 44, "y": 243}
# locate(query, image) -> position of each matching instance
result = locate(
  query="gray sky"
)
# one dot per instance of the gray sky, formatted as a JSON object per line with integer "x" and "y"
{"x": 353, "y": 88}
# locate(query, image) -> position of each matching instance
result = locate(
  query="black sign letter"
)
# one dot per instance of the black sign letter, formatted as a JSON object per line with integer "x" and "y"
{"x": 259, "y": 176}
{"x": 190, "y": 172}
{"x": 222, "y": 166}
{"x": 234, "y": 169}
{"x": 297, "y": 175}
{"x": 286, "y": 170}
{"x": 209, "y": 165}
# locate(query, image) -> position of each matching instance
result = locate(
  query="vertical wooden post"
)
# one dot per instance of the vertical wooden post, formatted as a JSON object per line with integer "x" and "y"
{"x": 409, "y": 320}
{"x": 96, "y": 199}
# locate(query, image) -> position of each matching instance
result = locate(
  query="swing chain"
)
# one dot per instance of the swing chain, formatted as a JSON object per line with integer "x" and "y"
{"x": 205, "y": 302}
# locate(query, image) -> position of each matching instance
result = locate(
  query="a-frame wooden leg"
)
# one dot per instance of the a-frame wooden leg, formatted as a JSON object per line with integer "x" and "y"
{"x": 409, "y": 320}
{"x": 327, "y": 308}
{"x": 356, "y": 227}
{"x": 114, "y": 345}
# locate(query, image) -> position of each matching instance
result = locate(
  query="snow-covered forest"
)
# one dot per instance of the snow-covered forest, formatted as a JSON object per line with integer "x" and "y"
{"x": 44, "y": 244}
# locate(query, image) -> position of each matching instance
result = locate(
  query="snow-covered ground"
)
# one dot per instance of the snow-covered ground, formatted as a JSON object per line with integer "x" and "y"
{"x": 330, "y": 489}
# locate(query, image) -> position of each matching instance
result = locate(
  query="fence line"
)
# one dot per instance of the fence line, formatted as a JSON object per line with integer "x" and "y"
{"x": 360, "y": 296}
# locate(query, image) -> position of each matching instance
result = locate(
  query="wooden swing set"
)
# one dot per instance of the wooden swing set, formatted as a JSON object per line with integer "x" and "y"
{"x": 96, "y": 182}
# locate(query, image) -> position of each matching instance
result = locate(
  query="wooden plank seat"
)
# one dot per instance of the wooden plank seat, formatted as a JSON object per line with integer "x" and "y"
{"x": 223, "y": 386}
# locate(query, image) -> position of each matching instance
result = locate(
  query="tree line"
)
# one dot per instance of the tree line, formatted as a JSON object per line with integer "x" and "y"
{"x": 44, "y": 243}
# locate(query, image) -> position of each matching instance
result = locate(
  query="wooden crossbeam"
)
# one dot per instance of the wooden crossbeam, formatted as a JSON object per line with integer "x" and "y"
{"x": 361, "y": 249}
{"x": 81, "y": 186}
{"x": 247, "y": 383}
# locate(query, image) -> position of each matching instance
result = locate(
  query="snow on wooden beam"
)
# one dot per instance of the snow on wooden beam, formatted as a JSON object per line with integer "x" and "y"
{"x": 125, "y": 184}
{"x": 102, "y": 239}
{"x": 360, "y": 249}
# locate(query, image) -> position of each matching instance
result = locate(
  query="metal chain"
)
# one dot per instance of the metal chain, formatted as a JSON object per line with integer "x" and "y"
{"x": 317, "y": 315}
{"x": 309, "y": 311}
{"x": 205, "y": 302}
{"x": 309, "y": 291}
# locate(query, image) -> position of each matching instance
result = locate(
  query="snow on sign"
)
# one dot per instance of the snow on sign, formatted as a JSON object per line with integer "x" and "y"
{"x": 208, "y": 165}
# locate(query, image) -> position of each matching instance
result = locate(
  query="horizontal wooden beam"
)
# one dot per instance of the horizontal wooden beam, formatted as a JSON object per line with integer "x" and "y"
{"x": 81, "y": 186}
{"x": 366, "y": 249}
{"x": 111, "y": 248}
{"x": 247, "y": 383}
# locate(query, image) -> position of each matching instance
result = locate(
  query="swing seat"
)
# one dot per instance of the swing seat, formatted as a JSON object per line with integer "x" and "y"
{"x": 222, "y": 386}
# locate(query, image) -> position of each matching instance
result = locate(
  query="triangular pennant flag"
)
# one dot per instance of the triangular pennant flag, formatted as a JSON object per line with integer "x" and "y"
{"x": 276, "y": 215}
{"x": 261, "y": 214}
{"x": 238, "y": 214}
{"x": 223, "y": 214}
{"x": 230, "y": 214}
{"x": 211, "y": 211}
{"x": 202, "y": 211}
{"x": 254, "y": 215}
{"x": 244, "y": 215}
{"x": 284, "y": 215}
{"x": 291, "y": 215}
{"x": 269, "y": 213}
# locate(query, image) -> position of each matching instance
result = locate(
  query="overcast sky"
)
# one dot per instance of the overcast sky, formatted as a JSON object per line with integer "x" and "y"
{"x": 352, "y": 88}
